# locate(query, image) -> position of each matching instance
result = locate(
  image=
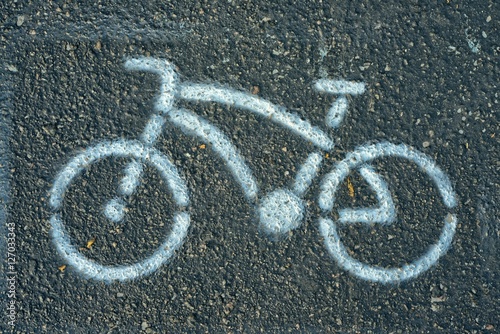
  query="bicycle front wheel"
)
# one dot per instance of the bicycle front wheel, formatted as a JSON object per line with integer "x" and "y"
{"x": 328, "y": 228}
{"x": 145, "y": 155}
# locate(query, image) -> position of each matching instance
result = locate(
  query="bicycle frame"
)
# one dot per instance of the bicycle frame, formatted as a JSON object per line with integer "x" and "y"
{"x": 171, "y": 89}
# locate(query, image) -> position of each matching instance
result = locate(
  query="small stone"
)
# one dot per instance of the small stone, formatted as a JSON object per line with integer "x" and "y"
{"x": 255, "y": 90}
{"x": 438, "y": 299}
{"x": 144, "y": 325}
{"x": 488, "y": 19}
{"x": 12, "y": 68}
{"x": 387, "y": 68}
{"x": 120, "y": 295}
{"x": 426, "y": 144}
{"x": 20, "y": 20}
{"x": 365, "y": 66}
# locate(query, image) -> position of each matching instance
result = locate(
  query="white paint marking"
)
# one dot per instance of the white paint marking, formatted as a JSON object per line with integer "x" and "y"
{"x": 365, "y": 154}
{"x": 115, "y": 210}
{"x": 339, "y": 87}
{"x": 175, "y": 183}
{"x": 337, "y": 250}
{"x": 330, "y": 185}
{"x": 140, "y": 152}
{"x": 280, "y": 212}
{"x": 384, "y": 214}
{"x": 132, "y": 178}
{"x": 337, "y": 112}
{"x": 277, "y": 114}
{"x": 196, "y": 125}
{"x": 307, "y": 173}
{"x": 153, "y": 129}
{"x": 166, "y": 70}
{"x": 328, "y": 228}
{"x": 94, "y": 270}
{"x": 339, "y": 107}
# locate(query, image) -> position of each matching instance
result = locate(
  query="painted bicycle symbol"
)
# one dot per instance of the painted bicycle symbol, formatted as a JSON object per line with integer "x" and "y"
{"x": 280, "y": 210}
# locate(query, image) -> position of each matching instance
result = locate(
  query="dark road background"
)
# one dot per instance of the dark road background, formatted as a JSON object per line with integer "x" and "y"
{"x": 432, "y": 72}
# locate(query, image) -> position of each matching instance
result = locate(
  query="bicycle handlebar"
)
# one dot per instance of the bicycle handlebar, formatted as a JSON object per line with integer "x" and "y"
{"x": 166, "y": 70}
{"x": 340, "y": 87}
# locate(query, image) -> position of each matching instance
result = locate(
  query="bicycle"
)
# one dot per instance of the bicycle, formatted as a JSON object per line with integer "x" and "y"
{"x": 279, "y": 211}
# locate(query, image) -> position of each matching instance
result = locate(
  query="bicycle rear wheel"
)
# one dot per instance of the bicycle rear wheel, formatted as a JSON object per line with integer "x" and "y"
{"x": 146, "y": 155}
{"x": 328, "y": 228}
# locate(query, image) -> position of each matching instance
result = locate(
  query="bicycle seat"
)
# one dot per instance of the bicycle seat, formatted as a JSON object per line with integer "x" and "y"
{"x": 339, "y": 107}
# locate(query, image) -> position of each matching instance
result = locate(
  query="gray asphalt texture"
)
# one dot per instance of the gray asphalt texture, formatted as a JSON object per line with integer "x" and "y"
{"x": 64, "y": 88}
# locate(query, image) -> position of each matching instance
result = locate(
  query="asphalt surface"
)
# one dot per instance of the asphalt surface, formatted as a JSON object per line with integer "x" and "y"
{"x": 432, "y": 72}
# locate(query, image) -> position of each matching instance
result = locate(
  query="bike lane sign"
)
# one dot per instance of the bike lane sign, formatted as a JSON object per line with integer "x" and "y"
{"x": 279, "y": 211}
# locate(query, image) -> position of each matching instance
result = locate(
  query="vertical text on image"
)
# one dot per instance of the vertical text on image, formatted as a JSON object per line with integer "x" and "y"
{"x": 11, "y": 273}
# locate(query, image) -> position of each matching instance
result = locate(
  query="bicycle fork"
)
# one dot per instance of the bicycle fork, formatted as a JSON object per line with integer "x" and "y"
{"x": 115, "y": 209}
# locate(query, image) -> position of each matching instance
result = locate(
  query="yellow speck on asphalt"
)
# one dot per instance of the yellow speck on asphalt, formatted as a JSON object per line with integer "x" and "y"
{"x": 90, "y": 243}
{"x": 350, "y": 187}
